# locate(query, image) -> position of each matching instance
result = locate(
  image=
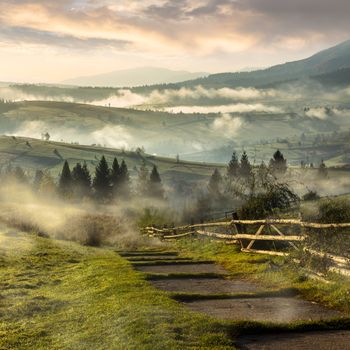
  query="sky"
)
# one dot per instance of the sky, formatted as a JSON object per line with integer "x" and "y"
{"x": 50, "y": 41}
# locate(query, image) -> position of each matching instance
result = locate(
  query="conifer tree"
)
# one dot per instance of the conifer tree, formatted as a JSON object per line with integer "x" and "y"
{"x": 245, "y": 169}
{"x": 115, "y": 172}
{"x": 215, "y": 183}
{"x": 115, "y": 176}
{"x": 47, "y": 185}
{"x": 65, "y": 181}
{"x": 143, "y": 180}
{"x": 124, "y": 180}
{"x": 81, "y": 180}
{"x": 19, "y": 175}
{"x": 155, "y": 184}
{"x": 101, "y": 183}
{"x": 233, "y": 167}
{"x": 39, "y": 174}
{"x": 278, "y": 164}
{"x": 86, "y": 176}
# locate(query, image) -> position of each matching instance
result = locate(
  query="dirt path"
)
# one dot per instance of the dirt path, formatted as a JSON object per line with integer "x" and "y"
{"x": 238, "y": 300}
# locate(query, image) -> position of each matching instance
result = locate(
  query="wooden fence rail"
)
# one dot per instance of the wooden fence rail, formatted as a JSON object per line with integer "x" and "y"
{"x": 267, "y": 230}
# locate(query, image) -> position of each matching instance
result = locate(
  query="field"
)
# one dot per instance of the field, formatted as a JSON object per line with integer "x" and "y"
{"x": 59, "y": 295}
{"x": 192, "y": 136}
{"x": 33, "y": 154}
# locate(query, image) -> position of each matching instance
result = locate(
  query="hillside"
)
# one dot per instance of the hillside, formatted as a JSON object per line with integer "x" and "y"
{"x": 33, "y": 154}
{"x": 135, "y": 77}
{"x": 159, "y": 133}
{"x": 330, "y": 60}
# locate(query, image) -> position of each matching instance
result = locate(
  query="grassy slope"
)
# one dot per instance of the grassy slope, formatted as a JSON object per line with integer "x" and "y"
{"x": 157, "y": 131}
{"x": 59, "y": 295}
{"x": 41, "y": 155}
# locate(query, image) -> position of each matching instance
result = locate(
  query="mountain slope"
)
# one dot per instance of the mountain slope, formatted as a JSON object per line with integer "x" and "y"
{"x": 324, "y": 62}
{"x": 135, "y": 77}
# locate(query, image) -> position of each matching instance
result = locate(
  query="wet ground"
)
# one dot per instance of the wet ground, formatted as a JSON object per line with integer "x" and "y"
{"x": 225, "y": 299}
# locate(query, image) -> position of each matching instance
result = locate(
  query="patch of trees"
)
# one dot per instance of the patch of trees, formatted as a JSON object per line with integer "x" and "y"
{"x": 107, "y": 184}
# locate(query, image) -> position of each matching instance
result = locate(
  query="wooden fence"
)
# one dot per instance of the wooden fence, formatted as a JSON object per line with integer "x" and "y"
{"x": 274, "y": 230}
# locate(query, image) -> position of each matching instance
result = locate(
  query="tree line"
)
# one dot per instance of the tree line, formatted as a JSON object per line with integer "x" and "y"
{"x": 105, "y": 185}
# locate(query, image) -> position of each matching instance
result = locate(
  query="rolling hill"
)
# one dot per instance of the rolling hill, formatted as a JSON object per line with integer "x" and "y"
{"x": 33, "y": 154}
{"x": 159, "y": 133}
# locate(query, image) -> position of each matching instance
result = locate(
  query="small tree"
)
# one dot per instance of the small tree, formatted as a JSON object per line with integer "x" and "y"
{"x": 155, "y": 184}
{"x": 81, "y": 180}
{"x": 124, "y": 180}
{"x": 101, "y": 182}
{"x": 19, "y": 175}
{"x": 278, "y": 164}
{"x": 47, "y": 185}
{"x": 245, "y": 167}
{"x": 39, "y": 174}
{"x": 143, "y": 180}
{"x": 233, "y": 167}
{"x": 215, "y": 183}
{"x": 65, "y": 181}
{"x": 115, "y": 176}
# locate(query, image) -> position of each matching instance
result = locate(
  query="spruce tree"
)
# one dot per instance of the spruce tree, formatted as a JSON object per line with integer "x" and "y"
{"x": 233, "y": 167}
{"x": 124, "y": 180}
{"x": 278, "y": 164}
{"x": 143, "y": 180}
{"x": 81, "y": 180}
{"x": 86, "y": 177}
{"x": 39, "y": 174}
{"x": 101, "y": 183}
{"x": 47, "y": 185}
{"x": 19, "y": 175}
{"x": 115, "y": 176}
{"x": 215, "y": 183}
{"x": 245, "y": 169}
{"x": 155, "y": 184}
{"x": 65, "y": 181}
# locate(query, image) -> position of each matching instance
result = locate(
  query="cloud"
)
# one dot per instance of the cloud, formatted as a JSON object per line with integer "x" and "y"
{"x": 229, "y": 25}
{"x": 41, "y": 37}
{"x": 227, "y": 125}
{"x": 211, "y": 35}
{"x": 113, "y": 136}
{"x": 232, "y": 108}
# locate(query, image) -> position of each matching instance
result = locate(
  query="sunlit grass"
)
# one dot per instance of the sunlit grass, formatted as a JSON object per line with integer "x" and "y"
{"x": 60, "y": 295}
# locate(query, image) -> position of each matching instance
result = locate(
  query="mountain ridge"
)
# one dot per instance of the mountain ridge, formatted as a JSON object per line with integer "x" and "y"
{"x": 140, "y": 76}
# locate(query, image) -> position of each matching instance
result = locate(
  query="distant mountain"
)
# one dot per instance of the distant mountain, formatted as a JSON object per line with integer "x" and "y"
{"x": 334, "y": 59}
{"x": 135, "y": 77}
{"x": 340, "y": 77}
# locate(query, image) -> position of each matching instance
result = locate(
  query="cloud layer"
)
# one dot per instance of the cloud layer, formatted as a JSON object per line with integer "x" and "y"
{"x": 232, "y": 32}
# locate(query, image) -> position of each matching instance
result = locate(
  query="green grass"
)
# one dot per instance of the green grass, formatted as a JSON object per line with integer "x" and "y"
{"x": 60, "y": 295}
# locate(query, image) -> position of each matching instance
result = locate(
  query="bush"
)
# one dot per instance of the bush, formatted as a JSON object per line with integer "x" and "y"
{"x": 333, "y": 240}
{"x": 278, "y": 197}
{"x": 334, "y": 211}
{"x": 311, "y": 196}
